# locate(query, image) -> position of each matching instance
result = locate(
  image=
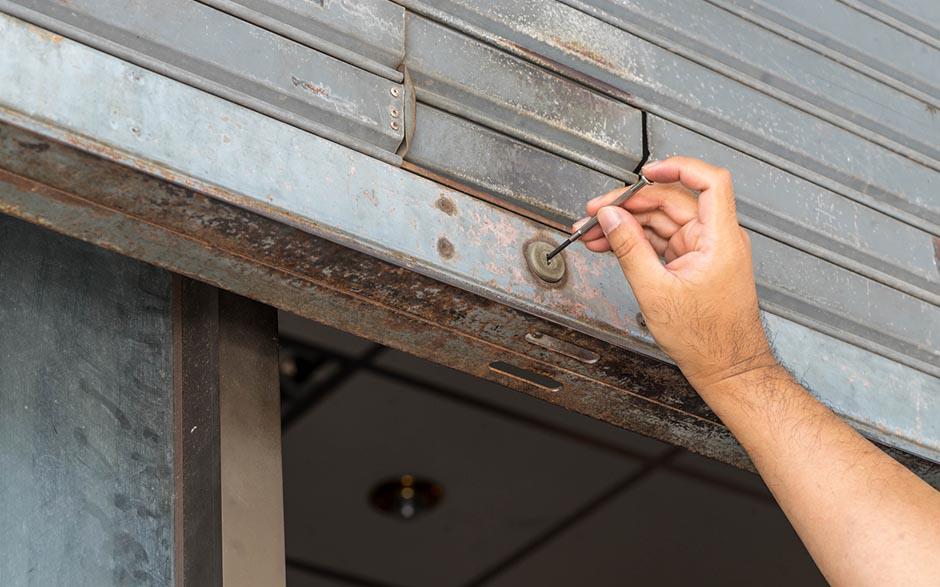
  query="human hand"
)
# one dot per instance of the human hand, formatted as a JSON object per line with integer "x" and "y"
{"x": 701, "y": 305}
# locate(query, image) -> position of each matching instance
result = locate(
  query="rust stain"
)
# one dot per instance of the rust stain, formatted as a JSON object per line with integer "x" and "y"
{"x": 310, "y": 87}
{"x": 583, "y": 52}
{"x": 446, "y": 205}
{"x": 486, "y": 197}
{"x": 44, "y": 34}
{"x": 445, "y": 248}
{"x": 931, "y": 108}
{"x": 34, "y": 147}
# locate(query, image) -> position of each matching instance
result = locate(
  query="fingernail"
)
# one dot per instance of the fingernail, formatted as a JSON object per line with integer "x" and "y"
{"x": 580, "y": 223}
{"x": 651, "y": 165}
{"x": 609, "y": 219}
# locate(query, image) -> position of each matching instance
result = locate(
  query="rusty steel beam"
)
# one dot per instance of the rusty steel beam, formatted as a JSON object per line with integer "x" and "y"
{"x": 91, "y": 198}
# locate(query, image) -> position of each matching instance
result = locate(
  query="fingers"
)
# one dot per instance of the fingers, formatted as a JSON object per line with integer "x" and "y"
{"x": 677, "y": 202}
{"x": 716, "y": 193}
{"x": 638, "y": 259}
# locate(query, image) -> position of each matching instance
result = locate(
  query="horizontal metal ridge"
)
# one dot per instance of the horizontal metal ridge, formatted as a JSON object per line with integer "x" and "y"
{"x": 328, "y": 190}
{"x": 369, "y": 34}
{"x": 226, "y": 56}
{"x": 565, "y": 39}
{"x": 916, "y": 18}
{"x": 515, "y": 171}
{"x": 464, "y": 76}
{"x": 813, "y": 219}
{"x": 780, "y": 68}
{"x": 842, "y": 33}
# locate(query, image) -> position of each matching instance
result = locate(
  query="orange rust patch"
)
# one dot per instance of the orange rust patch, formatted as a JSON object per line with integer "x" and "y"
{"x": 310, "y": 87}
{"x": 583, "y": 52}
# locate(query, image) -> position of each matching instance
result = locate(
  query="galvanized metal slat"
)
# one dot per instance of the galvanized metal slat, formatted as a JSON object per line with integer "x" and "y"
{"x": 853, "y": 38}
{"x": 917, "y": 18}
{"x": 459, "y": 74}
{"x": 785, "y": 70}
{"x": 831, "y": 299}
{"x": 274, "y": 169}
{"x": 813, "y": 219}
{"x": 520, "y": 173}
{"x": 369, "y": 34}
{"x": 656, "y": 80}
{"x": 226, "y": 56}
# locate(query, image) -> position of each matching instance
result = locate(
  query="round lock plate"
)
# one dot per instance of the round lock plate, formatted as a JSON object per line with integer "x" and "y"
{"x": 536, "y": 256}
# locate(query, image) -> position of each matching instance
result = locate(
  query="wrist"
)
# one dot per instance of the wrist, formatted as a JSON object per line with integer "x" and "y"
{"x": 743, "y": 374}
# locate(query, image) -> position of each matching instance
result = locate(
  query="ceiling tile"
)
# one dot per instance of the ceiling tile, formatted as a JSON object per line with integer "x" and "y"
{"x": 670, "y": 530}
{"x": 504, "y": 483}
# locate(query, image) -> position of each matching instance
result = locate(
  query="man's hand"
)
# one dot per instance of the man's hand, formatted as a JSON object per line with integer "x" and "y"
{"x": 865, "y": 519}
{"x": 701, "y": 306}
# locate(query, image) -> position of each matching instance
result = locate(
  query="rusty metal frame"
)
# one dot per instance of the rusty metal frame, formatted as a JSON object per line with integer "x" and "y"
{"x": 264, "y": 239}
{"x": 199, "y": 236}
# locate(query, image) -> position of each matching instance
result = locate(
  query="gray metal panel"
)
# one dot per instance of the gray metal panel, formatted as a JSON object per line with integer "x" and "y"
{"x": 853, "y": 38}
{"x": 227, "y": 56}
{"x": 813, "y": 219}
{"x": 460, "y": 74}
{"x": 718, "y": 39}
{"x": 380, "y": 212}
{"x": 654, "y": 78}
{"x": 366, "y": 33}
{"x": 917, "y": 18}
{"x": 520, "y": 173}
{"x": 86, "y": 414}
{"x": 843, "y": 304}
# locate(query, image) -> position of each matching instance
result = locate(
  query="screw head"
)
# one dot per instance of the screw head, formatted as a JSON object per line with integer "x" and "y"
{"x": 394, "y": 112}
{"x": 536, "y": 256}
{"x": 395, "y": 91}
{"x": 394, "y": 124}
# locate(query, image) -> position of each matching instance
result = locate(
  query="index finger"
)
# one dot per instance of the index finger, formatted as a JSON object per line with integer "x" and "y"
{"x": 716, "y": 193}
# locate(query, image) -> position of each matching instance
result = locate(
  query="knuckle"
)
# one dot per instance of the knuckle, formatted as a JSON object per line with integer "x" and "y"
{"x": 623, "y": 245}
{"x": 723, "y": 175}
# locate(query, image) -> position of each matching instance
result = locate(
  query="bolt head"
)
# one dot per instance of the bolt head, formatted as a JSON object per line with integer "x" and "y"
{"x": 536, "y": 256}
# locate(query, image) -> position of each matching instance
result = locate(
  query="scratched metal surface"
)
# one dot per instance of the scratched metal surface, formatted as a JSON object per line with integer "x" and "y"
{"x": 231, "y": 58}
{"x": 707, "y": 34}
{"x": 366, "y": 33}
{"x": 533, "y": 178}
{"x": 86, "y": 426}
{"x": 656, "y": 79}
{"x": 464, "y": 76}
{"x": 846, "y": 33}
{"x": 277, "y": 170}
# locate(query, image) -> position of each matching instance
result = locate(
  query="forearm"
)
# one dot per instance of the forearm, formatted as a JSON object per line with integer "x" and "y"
{"x": 846, "y": 498}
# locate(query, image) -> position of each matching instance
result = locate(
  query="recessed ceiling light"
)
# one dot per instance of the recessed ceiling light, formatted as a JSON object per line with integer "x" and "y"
{"x": 406, "y": 496}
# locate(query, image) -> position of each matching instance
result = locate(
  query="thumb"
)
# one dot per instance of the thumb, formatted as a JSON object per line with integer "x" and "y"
{"x": 639, "y": 261}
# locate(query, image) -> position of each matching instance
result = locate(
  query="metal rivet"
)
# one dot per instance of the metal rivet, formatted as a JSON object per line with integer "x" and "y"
{"x": 394, "y": 124}
{"x": 394, "y": 92}
{"x": 394, "y": 112}
{"x": 536, "y": 256}
{"x": 445, "y": 248}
